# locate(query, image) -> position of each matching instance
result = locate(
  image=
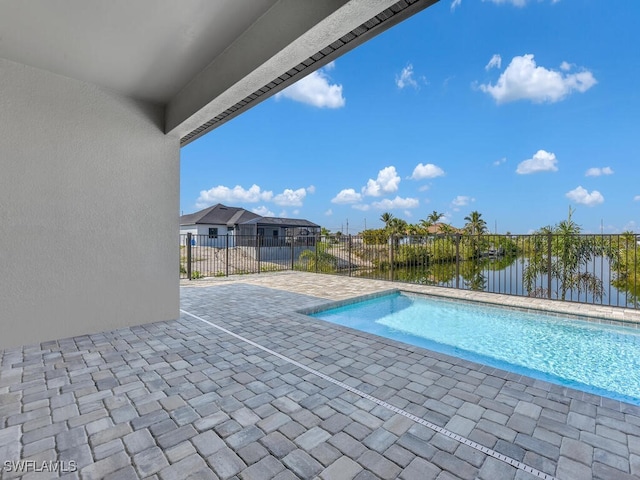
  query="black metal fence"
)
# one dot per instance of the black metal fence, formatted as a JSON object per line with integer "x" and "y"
{"x": 595, "y": 269}
{"x": 224, "y": 255}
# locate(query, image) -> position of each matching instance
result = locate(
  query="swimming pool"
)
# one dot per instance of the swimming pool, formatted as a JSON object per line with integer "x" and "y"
{"x": 596, "y": 358}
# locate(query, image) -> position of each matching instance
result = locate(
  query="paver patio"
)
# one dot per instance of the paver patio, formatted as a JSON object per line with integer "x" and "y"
{"x": 242, "y": 386}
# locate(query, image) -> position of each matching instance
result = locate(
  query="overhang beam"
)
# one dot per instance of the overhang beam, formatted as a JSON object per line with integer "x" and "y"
{"x": 251, "y": 69}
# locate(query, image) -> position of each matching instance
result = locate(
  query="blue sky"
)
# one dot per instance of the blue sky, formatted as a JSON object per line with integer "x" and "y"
{"x": 518, "y": 109}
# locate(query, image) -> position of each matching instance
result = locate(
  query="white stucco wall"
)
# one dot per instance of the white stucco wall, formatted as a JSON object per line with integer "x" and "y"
{"x": 89, "y": 189}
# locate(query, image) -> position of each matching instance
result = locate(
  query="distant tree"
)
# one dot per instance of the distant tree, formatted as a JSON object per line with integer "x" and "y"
{"x": 398, "y": 226}
{"x": 434, "y": 217}
{"x": 625, "y": 261}
{"x": 570, "y": 255}
{"x": 431, "y": 219}
{"x": 475, "y": 223}
{"x": 413, "y": 229}
{"x": 325, "y": 232}
{"x": 447, "y": 229}
{"x": 386, "y": 218}
{"x": 375, "y": 236}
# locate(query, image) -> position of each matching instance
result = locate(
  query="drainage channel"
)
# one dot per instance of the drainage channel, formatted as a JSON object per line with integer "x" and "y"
{"x": 459, "y": 438}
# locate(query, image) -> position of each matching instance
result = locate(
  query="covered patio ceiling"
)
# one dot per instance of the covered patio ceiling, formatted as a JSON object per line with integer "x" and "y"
{"x": 204, "y": 61}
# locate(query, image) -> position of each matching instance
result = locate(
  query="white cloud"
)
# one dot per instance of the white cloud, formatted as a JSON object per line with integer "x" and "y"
{"x": 263, "y": 211}
{"x": 636, "y": 198}
{"x": 461, "y": 201}
{"x": 222, "y": 194}
{"x": 405, "y": 79}
{"x": 542, "y": 161}
{"x": 516, "y": 3}
{"x": 311, "y": 189}
{"x": 348, "y": 195}
{"x": 582, "y": 196}
{"x": 524, "y": 80}
{"x": 596, "y": 171}
{"x": 283, "y": 214}
{"x": 328, "y": 213}
{"x": 495, "y": 62}
{"x": 426, "y": 171}
{"x": 315, "y": 89}
{"x": 565, "y": 66}
{"x": 291, "y": 198}
{"x": 408, "y": 213}
{"x": 499, "y": 162}
{"x": 424, "y": 188}
{"x": 329, "y": 66}
{"x": 361, "y": 206}
{"x": 387, "y": 182}
{"x": 398, "y": 202}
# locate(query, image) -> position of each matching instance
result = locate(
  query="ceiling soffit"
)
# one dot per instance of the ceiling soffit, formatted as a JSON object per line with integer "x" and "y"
{"x": 372, "y": 27}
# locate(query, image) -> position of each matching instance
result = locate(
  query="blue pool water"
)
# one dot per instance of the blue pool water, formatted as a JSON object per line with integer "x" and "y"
{"x": 599, "y": 359}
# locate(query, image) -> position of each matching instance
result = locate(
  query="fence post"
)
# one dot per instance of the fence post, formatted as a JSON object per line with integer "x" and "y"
{"x": 391, "y": 240}
{"x": 258, "y": 248}
{"x": 549, "y": 239}
{"x": 457, "y": 237}
{"x": 189, "y": 255}
{"x": 349, "y": 253}
{"x": 292, "y": 251}
{"x": 226, "y": 271}
{"x": 318, "y": 237}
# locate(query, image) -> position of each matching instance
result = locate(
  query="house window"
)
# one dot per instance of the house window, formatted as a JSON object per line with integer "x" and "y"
{"x": 213, "y": 232}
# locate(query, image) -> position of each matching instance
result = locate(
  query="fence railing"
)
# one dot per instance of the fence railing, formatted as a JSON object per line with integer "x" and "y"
{"x": 224, "y": 255}
{"x": 595, "y": 269}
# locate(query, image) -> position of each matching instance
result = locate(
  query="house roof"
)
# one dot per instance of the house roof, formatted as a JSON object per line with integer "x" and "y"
{"x": 442, "y": 227}
{"x": 218, "y": 215}
{"x": 282, "y": 222}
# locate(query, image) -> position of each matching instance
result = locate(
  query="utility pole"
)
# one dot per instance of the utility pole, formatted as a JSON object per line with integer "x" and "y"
{"x": 347, "y": 226}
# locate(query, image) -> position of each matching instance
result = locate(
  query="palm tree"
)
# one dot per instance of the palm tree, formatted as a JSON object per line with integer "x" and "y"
{"x": 434, "y": 217}
{"x": 625, "y": 261}
{"x": 570, "y": 255}
{"x": 398, "y": 226}
{"x": 447, "y": 229}
{"x": 431, "y": 219}
{"x": 386, "y": 218}
{"x": 475, "y": 223}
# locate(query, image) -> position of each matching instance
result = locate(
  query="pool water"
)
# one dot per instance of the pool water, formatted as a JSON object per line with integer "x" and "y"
{"x": 596, "y": 358}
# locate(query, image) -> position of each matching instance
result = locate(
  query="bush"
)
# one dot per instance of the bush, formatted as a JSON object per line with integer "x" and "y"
{"x": 373, "y": 236}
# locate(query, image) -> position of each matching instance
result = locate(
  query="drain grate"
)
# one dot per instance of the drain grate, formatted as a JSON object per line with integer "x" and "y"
{"x": 459, "y": 438}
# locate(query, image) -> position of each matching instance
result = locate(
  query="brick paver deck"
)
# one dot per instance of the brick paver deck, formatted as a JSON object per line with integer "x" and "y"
{"x": 242, "y": 386}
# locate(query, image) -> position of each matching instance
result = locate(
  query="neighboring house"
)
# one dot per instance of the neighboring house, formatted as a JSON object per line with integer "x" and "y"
{"x": 442, "y": 228}
{"x": 244, "y": 228}
{"x": 275, "y": 231}
{"x": 212, "y": 224}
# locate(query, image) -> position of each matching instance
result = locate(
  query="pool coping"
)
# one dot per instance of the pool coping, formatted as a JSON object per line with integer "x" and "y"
{"x": 594, "y": 318}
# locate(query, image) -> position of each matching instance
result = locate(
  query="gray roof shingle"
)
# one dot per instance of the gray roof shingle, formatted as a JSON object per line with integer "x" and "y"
{"x": 218, "y": 215}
